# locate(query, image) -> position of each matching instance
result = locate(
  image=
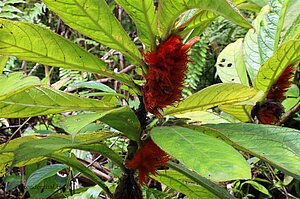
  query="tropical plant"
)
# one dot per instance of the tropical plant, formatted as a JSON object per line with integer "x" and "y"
{"x": 201, "y": 156}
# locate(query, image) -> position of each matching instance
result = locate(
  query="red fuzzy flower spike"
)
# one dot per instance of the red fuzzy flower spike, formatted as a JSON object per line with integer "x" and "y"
{"x": 147, "y": 160}
{"x": 282, "y": 84}
{"x": 167, "y": 67}
{"x": 270, "y": 111}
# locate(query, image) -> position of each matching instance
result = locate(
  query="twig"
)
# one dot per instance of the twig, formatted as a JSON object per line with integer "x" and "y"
{"x": 288, "y": 114}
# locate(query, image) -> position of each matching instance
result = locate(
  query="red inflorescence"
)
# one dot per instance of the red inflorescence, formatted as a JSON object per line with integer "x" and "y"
{"x": 270, "y": 111}
{"x": 282, "y": 84}
{"x": 164, "y": 80}
{"x": 147, "y": 160}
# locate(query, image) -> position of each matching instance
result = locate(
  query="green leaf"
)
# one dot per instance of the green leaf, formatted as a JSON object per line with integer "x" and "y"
{"x": 182, "y": 184}
{"x": 199, "y": 21}
{"x": 122, "y": 119}
{"x": 258, "y": 187}
{"x": 3, "y": 61}
{"x": 35, "y": 43}
{"x": 94, "y": 19}
{"x": 251, "y": 51}
{"x": 270, "y": 29}
{"x": 294, "y": 30}
{"x": 73, "y": 162}
{"x": 218, "y": 94}
{"x": 240, "y": 112}
{"x": 209, "y": 185}
{"x": 43, "y": 147}
{"x": 276, "y": 145}
{"x": 15, "y": 83}
{"x": 169, "y": 11}
{"x": 6, "y": 152}
{"x": 42, "y": 101}
{"x": 143, "y": 15}
{"x": 288, "y": 53}
{"x": 43, "y": 173}
{"x": 211, "y": 157}
{"x": 292, "y": 20}
{"x": 230, "y": 64}
{"x": 93, "y": 85}
{"x": 203, "y": 116}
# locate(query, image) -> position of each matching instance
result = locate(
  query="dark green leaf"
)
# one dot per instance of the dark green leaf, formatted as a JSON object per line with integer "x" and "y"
{"x": 73, "y": 162}
{"x": 43, "y": 173}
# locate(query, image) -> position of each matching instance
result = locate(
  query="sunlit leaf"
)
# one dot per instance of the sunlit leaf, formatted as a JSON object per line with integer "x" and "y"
{"x": 168, "y": 11}
{"x": 3, "y": 60}
{"x": 143, "y": 15}
{"x": 42, "y": 101}
{"x": 34, "y": 43}
{"x": 276, "y": 145}
{"x": 203, "y": 117}
{"x": 230, "y": 64}
{"x": 210, "y": 157}
{"x": 218, "y": 94}
{"x": 16, "y": 83}
{"x": 94, "y": 19}
{"x": 288, "y": 53}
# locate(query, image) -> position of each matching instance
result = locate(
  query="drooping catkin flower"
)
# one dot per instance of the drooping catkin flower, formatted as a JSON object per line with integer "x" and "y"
{"x": 167, "y": 68}
{"x": 270, "y": 111}
{"x": 147, "y": 160}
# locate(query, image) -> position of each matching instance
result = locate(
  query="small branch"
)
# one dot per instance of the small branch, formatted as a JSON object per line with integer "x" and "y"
{"x": 288, "y": 114}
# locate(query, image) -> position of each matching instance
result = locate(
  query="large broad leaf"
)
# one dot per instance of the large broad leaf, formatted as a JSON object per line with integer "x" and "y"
{"x": 276, "y": 145}
{"x": 3, "y": 60}
{"x": 230, "y": 64}
{"x": 15, "y": 83}
{"x": 73, "y": 162}
{"x": 43, "y": 173}
{"x": 35, "y": 43}
{"x": 122, "y": 119}
{"x": 218, "y": 94}
{"x": 94, "y": 19}
{"x": 210, "y": 157}
{"x": 143, "y": 15}
{"x": 43, "y": 147}
{"x": 270, "y": 28}
{"x": 6, "y": 156}
{"x": 288, "y": 53}
{"x": 168, "y": 11}
{"x": 183, "y": 185}
{"x": 251, "y": 50}
{"x": 42, "y": 101}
